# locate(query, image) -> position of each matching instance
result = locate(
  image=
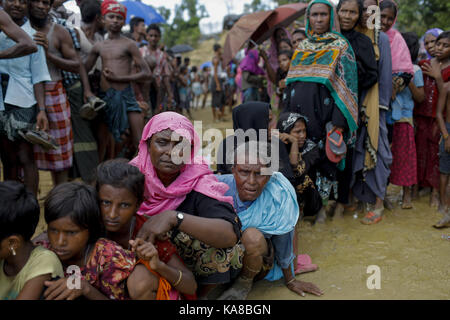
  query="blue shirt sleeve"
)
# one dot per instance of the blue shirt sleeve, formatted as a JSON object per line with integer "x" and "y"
{"x": 418, "y": 78}
{"x": 38, "y": 66}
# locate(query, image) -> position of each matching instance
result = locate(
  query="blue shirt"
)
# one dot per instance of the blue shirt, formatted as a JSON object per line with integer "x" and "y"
{"x": 403, "y": 105}
{"x": 24, "y": 72}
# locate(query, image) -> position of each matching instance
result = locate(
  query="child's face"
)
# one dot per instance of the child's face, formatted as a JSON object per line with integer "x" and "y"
{"x": 67, "y": 239}
{"x": 284, "y": 62}
{"x": 284, "y": 46}
{"x": 442, "y": 49}
{"x": 118, "y": 206}
{"x": 299, "y": 132}
{"x": 113, "y": 22}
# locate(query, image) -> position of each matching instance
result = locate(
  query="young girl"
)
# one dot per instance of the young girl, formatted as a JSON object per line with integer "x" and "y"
{"x": 74, "y": 231}
{"x": 23, "y": 267}
{"x": 404, "y": 165}
{"x": 303, "y": 154}
{"x": 184, "y": 91}
{"x": 120, "y": 188}
{"x": 284, "y": 60}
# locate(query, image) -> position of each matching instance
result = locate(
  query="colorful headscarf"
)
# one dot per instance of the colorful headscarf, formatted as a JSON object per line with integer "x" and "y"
{"x": 434, "y": 32}
{"x": 195, "y": 176}
{"x": 401, "y": 57}
{"x": 114, "y": 7}
{"x": 250, "y": 62}
{"x": 328, "y": 59}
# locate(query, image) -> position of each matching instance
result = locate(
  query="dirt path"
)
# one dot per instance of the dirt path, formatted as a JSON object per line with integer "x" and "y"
{"x": 413, "y": 257}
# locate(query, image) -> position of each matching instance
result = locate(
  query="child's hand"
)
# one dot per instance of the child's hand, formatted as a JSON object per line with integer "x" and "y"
{"x": 146, "y": 251}
{"x": 59, "y": 290}
{"x": 282, "y": 84}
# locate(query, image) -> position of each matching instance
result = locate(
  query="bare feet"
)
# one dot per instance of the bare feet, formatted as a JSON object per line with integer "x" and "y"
{"x": 434, "y": 199}
{"x": 444, "y": 222}
{"x": 338, "y": 212}
{"x": 406, "y": 202}
{"x": 415, "y": 192}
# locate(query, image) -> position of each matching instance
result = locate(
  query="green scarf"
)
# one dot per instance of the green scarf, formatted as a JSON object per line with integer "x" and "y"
{"x": 328, "y": 59}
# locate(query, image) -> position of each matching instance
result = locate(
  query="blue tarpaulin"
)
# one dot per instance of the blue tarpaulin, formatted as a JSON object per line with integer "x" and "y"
{"x": 146, "y": 12}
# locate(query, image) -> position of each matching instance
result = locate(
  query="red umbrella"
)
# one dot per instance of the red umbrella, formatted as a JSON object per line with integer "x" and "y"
{"x": 283, "y": 16}
{"x": 249, "y": 26}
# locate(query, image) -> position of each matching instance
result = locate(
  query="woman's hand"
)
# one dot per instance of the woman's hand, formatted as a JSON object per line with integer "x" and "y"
{"x": 301, "y": 288}
{"x": 157, "y": 226}
{"x": 146, "y": 251}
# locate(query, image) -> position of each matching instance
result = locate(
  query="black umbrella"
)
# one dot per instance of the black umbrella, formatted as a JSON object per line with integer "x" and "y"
{"x": 181, "y": 48}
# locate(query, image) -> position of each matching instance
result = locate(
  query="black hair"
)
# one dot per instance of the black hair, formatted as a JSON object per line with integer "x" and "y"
{"x": 187, "y": 59}
{"x": 19, "y": 211}
{"x": 299, "y": 31}
{"x": 155, "y": 27}
{"x": 285, "y": 40}
{"x": 288, "y": 53}
{"x": 90, "y": 9}
{"x": 183, "y": 69}
{"x": 120, "y": 174}
{"x": 134, "y": 22}
{"x": 216, "y": 47}
{"x": 443, "y": 35}
{"x": 79, "y": 202}
{"x": 388, "y": 4}
{"x": 194, "y": 69}
{"x": 412, "y": 41}
{"x": 360, "y": 4}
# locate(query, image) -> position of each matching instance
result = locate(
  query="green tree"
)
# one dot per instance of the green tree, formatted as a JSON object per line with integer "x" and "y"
{"x": 184, "y": 29}
{"x": 421, "y": 15}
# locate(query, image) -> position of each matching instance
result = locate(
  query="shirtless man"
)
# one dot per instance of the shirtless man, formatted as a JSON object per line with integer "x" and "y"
{"x": 442, "y": 61}
{"x": 60, "y": 55}
{"x": 217, "y": 84}
{"x": 117, "y": 54}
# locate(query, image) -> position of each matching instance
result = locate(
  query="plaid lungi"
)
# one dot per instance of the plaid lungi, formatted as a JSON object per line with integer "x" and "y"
{"x": 58, "y": 114}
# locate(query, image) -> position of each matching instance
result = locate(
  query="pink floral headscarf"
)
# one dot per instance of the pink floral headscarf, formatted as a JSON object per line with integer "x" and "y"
{"x": 401, "y": 57}
{"x": 195, "y": 176}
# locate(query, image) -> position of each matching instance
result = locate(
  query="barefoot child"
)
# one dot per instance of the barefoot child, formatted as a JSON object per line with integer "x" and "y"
{"x": 120, "y": 187}
{"x": 23, "y": 267}
{"x": 117, "y": 54}
{"x": 442, "y": 50}
{"x": 404, "y": 164}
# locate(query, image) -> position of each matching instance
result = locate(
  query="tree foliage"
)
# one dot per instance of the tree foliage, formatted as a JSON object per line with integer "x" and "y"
{"x": 184, "y": 28}
{"x": 421, "y": 15}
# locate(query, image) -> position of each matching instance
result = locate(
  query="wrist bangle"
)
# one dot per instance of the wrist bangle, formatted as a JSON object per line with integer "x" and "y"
{"x": 290, "y": 281}
{"x": 445, "y": 136}
{"x": 179, "y": 278}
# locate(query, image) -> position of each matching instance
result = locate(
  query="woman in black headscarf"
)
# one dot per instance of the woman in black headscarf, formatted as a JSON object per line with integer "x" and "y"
{"x": 350, "y": 14}
{"x": 257, "y": 116}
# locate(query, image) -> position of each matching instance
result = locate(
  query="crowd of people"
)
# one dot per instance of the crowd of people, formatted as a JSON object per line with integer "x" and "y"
{"x": 355, "y": 108}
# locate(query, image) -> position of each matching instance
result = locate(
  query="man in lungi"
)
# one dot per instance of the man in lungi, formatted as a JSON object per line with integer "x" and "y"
{"x": 60, "y": 55}
{"x": 122, "y": 112}
{"x": 24, "y": 102}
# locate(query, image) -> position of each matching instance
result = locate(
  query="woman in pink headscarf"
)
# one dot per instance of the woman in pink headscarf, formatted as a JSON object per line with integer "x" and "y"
{"x": 185, "y": 201}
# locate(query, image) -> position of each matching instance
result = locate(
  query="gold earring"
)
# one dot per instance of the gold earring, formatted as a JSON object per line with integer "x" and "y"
{"x": 12, "y": 251}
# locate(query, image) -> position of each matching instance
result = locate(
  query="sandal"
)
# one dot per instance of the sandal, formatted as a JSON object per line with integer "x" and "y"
{"x": 41, "y": 138}
{"x": 304, "y": 264}
{"x": 90, "y": 109}
{"x": 372, "y": 217}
